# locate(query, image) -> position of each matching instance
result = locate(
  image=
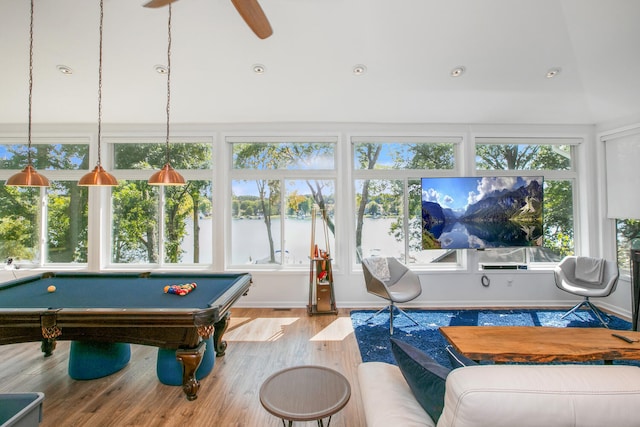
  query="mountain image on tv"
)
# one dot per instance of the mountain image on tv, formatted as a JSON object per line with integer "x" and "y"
{"x": 481, "y": 212}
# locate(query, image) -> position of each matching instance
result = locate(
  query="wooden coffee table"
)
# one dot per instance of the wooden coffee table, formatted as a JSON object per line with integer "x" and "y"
{"x": 542, "y": 344}
{"x": 305, "y": 393}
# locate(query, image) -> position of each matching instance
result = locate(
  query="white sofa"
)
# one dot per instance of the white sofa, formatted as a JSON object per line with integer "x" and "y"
{"x": 508, "y": 396}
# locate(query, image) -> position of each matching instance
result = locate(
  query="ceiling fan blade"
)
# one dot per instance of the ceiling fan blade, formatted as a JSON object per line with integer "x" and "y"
{"x": 253, "y": 15}
{"x": 158, "y": 3}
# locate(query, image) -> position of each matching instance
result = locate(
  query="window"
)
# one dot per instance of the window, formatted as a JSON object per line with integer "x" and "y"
{"x": 44, "y": 226}
{"x": 274, "y": 187}
{"x": 552, "y": 158}
{"x": 157, "y": 224}
{"x": 19, "y": 223}
{"x": 387, "y": 174}
{"x": 626, "y": 231}
{"x": 271, "y": 186}
{"x": 67, "y": 222}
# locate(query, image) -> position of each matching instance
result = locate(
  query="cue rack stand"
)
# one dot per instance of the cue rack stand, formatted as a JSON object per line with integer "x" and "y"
{"x": 322, "y": 298}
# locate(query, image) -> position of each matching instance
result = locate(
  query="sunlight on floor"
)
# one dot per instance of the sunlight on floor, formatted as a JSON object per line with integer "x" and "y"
{"x": 336, "y": 331}
{"x": 259, "y": 329}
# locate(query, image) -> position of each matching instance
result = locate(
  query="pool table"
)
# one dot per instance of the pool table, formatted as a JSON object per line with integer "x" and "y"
{"x": 123, "y": 308}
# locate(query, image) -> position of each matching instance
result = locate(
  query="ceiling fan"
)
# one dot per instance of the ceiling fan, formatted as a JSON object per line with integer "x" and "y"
{"x": 250, "y": 11}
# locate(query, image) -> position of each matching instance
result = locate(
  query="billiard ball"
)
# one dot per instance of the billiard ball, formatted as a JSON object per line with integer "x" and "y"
{"x": 51, "y": 288}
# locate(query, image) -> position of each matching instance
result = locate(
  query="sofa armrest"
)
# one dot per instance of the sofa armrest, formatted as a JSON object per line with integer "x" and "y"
{"x": 542, "y": 395}
{"x": 387, "y": 398}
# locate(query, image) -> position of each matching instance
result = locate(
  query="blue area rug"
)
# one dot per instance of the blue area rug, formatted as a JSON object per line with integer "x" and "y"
{"x": 373, "y": 336}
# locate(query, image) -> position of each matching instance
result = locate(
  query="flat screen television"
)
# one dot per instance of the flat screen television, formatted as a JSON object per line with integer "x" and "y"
{"x": 482, "y": 212}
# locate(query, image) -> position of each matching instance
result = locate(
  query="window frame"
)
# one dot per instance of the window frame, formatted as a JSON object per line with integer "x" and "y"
{"x": 282, "y": 176}
{"x": 52, "y": 138}
{"x": 405, "y": 175}
{"x": 571, "y": 174}
{"x": 106, "y": 231}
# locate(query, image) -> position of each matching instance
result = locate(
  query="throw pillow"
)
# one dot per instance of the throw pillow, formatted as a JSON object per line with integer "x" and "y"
{"x": 458, "y": 360}
{"x": 379, "y": 267}
{"x": 425, "y": 376}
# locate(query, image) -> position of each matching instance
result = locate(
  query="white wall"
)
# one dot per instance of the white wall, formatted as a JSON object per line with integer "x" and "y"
{"x": 510, "y": 288}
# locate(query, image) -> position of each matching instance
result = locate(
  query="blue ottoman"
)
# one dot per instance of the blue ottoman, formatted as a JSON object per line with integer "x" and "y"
{"x": 89, "y": 360}
{"x": 169, "y": 370}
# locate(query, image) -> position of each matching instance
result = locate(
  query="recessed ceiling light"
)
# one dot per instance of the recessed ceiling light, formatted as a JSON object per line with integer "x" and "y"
{"x": 457, "y": 72}
{"x": 64, "y": 69}
{"x": 258, "y": 68}
{"x": 161, "y": 69}
{"x": 359, "y": 70}
{"x": 553, "y": 72}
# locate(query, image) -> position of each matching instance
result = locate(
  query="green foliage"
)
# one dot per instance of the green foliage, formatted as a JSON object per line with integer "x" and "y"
{"x": 18, "y": 222}
{"x": 154, "y": 156}
{"x": 67, "y": 222}
{"x": 136, "y": 204}
{"x": 135, "y": 225}
{"x": 558, "y": 217}
{"x": 431, "y": 156}
{"x": 47, "y": 156}
{"x": 627, "y": 231}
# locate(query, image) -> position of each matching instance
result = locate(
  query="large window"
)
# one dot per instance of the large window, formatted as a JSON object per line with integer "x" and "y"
{"x": 275, "y": 187}
{"x": 41, "y": 226}
{"x": 552, "y": 158}
{"x": 387, "y": 215}
{"x": 365, "y": 192}
{"x": 162, "y": 225}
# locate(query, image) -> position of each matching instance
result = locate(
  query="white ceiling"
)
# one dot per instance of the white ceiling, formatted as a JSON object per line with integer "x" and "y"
{"x": 408, "y": 46}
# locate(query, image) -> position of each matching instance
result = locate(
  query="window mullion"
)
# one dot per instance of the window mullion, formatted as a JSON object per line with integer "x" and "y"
{"x": 43, "y": 226}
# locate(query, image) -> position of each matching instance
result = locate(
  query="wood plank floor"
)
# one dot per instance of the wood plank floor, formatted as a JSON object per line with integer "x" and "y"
{"x": 260, "y": 342}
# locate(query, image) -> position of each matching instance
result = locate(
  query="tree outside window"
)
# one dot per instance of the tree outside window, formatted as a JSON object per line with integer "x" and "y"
{"x": 161, "y": 225}
{"x": 62, "y": 207}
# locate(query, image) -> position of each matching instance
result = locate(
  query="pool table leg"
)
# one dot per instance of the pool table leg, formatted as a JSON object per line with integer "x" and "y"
{"x": 47, "y": 346}
{"x": 50, "y": 331}
{"x": 219, "y": 329}
{"x": 190, "y": 360}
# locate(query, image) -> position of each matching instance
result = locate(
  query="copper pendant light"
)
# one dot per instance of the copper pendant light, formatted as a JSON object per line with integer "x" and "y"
{"x": 99, "y": 176}
{"x": 29, "y": 177}
{"x": 167, "y": 175}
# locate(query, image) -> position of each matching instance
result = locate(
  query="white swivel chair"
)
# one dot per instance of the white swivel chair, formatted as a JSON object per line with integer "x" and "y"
{"x": 393, "y": 281}
{"x": 587, "y": 277}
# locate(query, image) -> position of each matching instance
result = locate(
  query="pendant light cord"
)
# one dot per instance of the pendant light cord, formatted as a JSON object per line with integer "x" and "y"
{"x": 30, "y": 85}
{"x": 100, "y": 86}
{"x": 168, "y": 81}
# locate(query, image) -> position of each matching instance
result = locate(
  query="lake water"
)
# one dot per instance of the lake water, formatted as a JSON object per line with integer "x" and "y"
{"x": 250, "y": 243}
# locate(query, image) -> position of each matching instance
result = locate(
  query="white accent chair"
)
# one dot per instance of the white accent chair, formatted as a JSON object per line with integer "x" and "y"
{"x": 401, "y": 285}
{"x": 567, "y": 278}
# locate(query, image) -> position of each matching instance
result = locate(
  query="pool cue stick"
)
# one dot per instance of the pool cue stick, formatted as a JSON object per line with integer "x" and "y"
{"x": 311, "y": 257}
{"x": 313, "y": 231}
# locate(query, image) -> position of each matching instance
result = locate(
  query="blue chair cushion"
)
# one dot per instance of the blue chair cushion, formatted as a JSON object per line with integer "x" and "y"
{"x": 89, "y": 360}
{"x": 425, "y": 376}
{"x": 169, "y": 370}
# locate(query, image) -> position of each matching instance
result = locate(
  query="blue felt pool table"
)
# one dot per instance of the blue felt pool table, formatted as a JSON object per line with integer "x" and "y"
{"x": 123, "y": 308}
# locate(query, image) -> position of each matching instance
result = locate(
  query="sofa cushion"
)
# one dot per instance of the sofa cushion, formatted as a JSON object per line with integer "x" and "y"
{"x": 542, "y": 395}
{"x": 425, "y": 376}
{"x": 387, "y": 399}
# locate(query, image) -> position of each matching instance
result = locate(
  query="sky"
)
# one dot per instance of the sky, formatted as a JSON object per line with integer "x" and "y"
{"x": 458, "y": 192}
